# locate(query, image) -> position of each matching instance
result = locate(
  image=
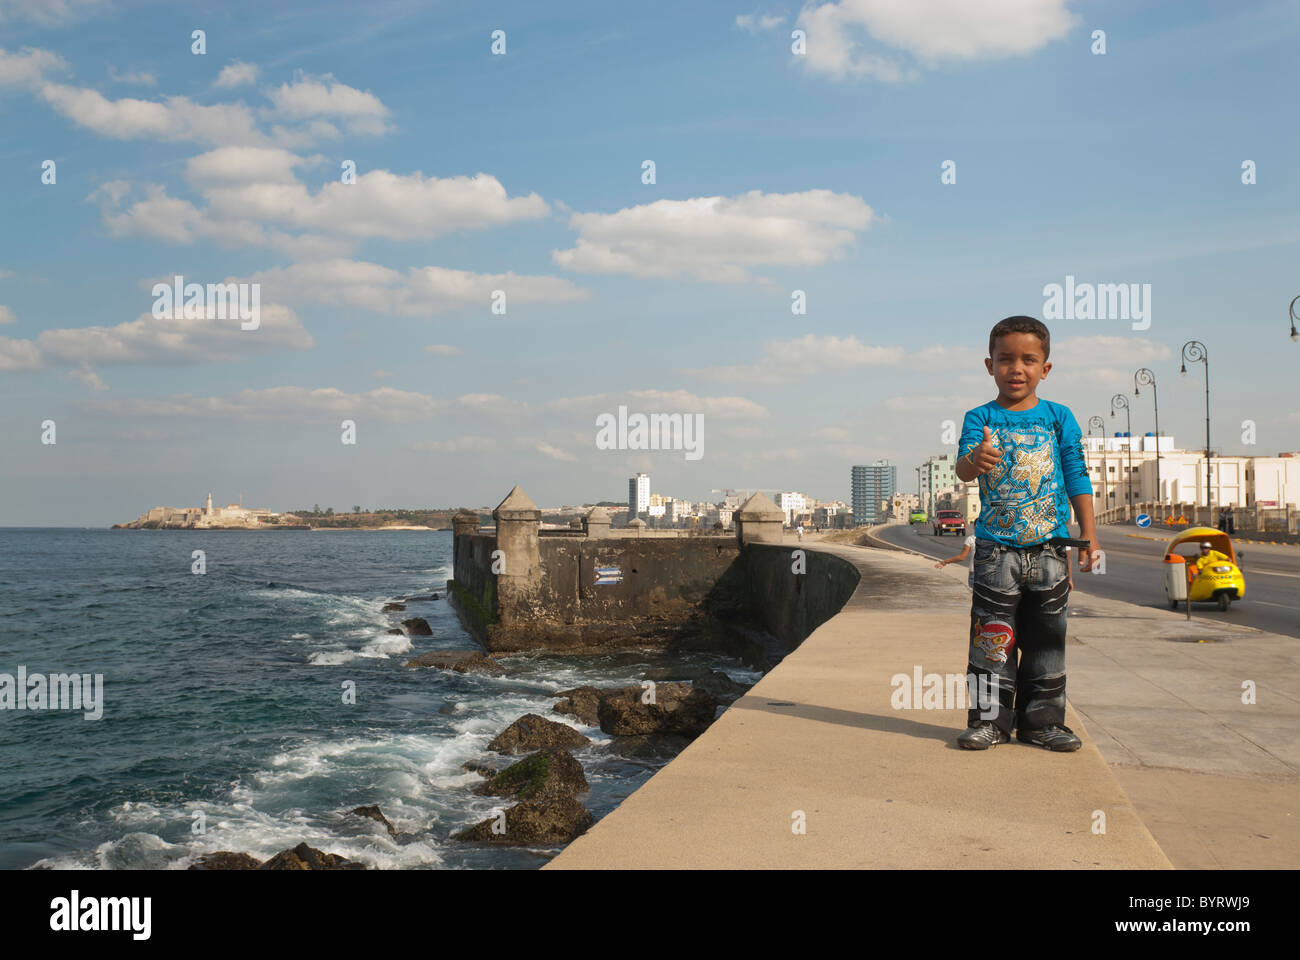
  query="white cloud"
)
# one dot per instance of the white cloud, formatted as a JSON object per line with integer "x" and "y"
{"x": 175, "y": 118}
{"x": 787, "y": 360}
{"x": 443, "y": 350}
{"x": 253, "y": 198}
{"x": 930, "y": 31}
{"x": 18, "y": 355}
{"x": 554, "y": 452}
{"x": 89, "y": 377}
{"x": 288, "y": 403}
{"x": 309, "y": 98}
{"x": 717, "y": 238}
{"x": 28, "y": 66}
{"x": 7, "y": 316}
{"x": 417, "y": 292}
{"x": 151, "y": 340}
{"x": 756, "y": 22}
{"x": 47, "y": 12}
{"x": 136, "y": 77}
{"x": 659, "y": 401}
{"x": 236, "y": 74}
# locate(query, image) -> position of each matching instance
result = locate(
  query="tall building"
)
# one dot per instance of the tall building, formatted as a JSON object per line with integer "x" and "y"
{"x": 638, "y": 496}
{"x": 872, "y": 486}
{"x": 937, "y": 474}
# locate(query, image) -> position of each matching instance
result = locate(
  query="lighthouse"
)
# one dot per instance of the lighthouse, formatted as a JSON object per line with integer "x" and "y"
{"x": 207, "y": 511}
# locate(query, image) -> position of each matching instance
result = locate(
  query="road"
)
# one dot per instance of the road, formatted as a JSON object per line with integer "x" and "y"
{"x": 1134, "y": 571}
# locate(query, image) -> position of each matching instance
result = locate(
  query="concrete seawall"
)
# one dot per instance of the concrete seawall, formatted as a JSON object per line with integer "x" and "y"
{"x": 815, "y": 768}
{"x": 520, "y": 588}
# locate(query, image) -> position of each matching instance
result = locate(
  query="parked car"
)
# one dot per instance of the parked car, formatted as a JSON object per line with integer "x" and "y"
{"x": 949, "y": 521}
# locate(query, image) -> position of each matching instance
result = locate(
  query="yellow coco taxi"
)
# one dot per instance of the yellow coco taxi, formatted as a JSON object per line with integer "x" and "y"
{"x": 1212, "y": 576}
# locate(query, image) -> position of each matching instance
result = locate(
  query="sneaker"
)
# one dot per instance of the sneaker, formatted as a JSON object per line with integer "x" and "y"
{"x": 1060, "y": 739}
{"x": 981, "y": 735}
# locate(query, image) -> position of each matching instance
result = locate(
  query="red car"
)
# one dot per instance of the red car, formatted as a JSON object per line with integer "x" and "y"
{"x": 949, "y": 521}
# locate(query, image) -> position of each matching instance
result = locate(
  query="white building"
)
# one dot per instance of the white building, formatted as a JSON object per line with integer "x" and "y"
{"x": 792, "y": 504}
{"x": 638, "y": 495}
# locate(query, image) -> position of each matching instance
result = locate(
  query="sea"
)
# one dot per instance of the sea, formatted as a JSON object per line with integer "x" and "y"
{"x": 226, "y": 720}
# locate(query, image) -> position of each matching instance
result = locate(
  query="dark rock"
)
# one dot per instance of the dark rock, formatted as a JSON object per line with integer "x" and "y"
{"x": 580, "y": 702}
{"x": 531, "y": 732}
{"x": 303, "y": 857}
{"x": 650, "y": 746}
{"x": 226, "y": 860}
{"x": 720, "y": 685}
{"x": 397, "y": 630}
{"x": 393, "y": 608}
{"x": 548, "y": 772}
{"x": 549, "y": 821}
{"x": 448, "y": 708}
{"x": 418, "y": 627}
{"x": 374, "y": 813}
{"x": 431, "y": 596}
{"x": 678, "y": 708}
{"x": 482, "y": 769}
{"x": 462, "y": 661}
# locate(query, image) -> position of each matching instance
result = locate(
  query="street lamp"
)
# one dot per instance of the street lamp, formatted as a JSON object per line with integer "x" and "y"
{"x": 1100, "y": 424}
{"x": 1121, "y": 401}
{"x": 1147, "y": 378}
{"x": 1294, "y": 318}
{"x": 1194, "y": 351}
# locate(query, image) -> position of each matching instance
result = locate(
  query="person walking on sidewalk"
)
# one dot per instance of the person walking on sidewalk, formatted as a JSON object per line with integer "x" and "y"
{"x": 967, "y": 546}
{"x": 1028, "y": 455}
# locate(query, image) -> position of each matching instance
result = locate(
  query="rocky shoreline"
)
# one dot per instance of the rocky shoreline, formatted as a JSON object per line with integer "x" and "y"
{"x": 530, "y": 765}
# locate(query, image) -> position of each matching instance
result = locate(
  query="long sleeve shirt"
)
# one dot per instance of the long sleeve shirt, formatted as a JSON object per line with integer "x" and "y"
{"x": 1025, "y": 499}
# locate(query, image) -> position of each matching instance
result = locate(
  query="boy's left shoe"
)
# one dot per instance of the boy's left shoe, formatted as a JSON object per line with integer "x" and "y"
{"x": 1060, "y": 739}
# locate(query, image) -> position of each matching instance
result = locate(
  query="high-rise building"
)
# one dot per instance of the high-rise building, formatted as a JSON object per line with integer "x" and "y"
{"x": 871, "y": 487}
{"x": 638, "y": 496}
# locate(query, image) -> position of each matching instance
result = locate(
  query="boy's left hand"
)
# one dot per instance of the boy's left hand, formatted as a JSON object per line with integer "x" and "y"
{"x": 1086, "y": 560}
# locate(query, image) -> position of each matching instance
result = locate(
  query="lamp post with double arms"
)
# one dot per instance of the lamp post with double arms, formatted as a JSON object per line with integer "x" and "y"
{"x": 1148, "y": 379}
{"x": 1100, "y": 424}
{"x": 1294, "y": 318}
{"x": 1121, "y": 401}
{"x": 1195, "y": 351}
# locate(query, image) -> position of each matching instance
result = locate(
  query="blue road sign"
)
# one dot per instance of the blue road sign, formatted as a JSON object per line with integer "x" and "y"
{"x": 1143, "y": 520}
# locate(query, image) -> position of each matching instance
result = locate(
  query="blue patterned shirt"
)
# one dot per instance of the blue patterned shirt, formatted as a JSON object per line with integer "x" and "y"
{"x": 1025, "y": 499}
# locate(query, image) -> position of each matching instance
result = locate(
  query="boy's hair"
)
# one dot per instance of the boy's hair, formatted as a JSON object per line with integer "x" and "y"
{"x": 1021, "y": 325}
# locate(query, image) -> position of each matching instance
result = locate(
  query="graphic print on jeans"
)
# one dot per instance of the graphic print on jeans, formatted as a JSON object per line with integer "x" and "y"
{"x": 1019, "y": 604}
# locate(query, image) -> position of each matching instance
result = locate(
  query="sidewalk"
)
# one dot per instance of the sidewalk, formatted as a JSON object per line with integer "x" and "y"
{"x": 817, "y": 738}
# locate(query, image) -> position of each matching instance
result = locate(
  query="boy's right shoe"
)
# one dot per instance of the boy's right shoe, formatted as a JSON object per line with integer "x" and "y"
{"x": 1059, "y": 738}
{"x": 981, "y": 735}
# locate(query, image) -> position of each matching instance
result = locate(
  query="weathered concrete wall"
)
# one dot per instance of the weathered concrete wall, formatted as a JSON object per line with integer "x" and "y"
{"x": 792, "y": 605}
{"x": 704, "y": 592}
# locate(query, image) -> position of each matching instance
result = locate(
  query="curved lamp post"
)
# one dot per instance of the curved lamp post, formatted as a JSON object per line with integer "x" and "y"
{"x": 1195, "y": 351}
{"x": 1100, "y": 424}
{"x": 1119, "y": 401}
{"x": 1148, "y": 379}
{"x": 1294, "y": 318}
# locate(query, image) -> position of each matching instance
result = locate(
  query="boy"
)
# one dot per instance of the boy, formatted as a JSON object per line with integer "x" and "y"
{"x": 1028, "y": 456}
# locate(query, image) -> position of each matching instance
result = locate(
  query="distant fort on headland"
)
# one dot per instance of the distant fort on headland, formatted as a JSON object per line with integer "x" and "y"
{"x": 207, "y": 517}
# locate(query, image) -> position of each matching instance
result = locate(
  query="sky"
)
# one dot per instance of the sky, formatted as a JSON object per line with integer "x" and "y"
{"x": 502, "y": 270}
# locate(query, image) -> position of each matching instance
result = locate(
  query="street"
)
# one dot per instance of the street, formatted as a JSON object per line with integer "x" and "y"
{"x": 1134, "y": 571}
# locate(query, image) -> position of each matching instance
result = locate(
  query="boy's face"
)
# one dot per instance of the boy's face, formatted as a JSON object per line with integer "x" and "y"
{"x": 1017, "y": 364}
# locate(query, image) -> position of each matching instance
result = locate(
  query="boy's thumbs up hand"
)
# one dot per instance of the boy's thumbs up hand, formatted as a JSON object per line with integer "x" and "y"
{"x": 986, "y": 455}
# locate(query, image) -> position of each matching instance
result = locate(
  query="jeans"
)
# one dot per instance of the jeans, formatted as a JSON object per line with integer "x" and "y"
{"x": 1017, "y": 634}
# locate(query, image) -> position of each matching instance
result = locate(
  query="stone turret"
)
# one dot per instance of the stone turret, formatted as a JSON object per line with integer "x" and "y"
{"x": 637, "y": 526}
{"x": 464, "y": 521}
{"x": 596, "y": 523}
{"x": 518, "y": 521}
{"x": 759, "y": 520}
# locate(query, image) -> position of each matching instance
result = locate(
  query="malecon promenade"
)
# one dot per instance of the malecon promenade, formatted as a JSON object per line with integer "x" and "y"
{"x": 815, "y": 768}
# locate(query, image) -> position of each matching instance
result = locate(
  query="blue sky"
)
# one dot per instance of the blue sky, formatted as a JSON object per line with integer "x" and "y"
{"x": 775, "y": 172}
